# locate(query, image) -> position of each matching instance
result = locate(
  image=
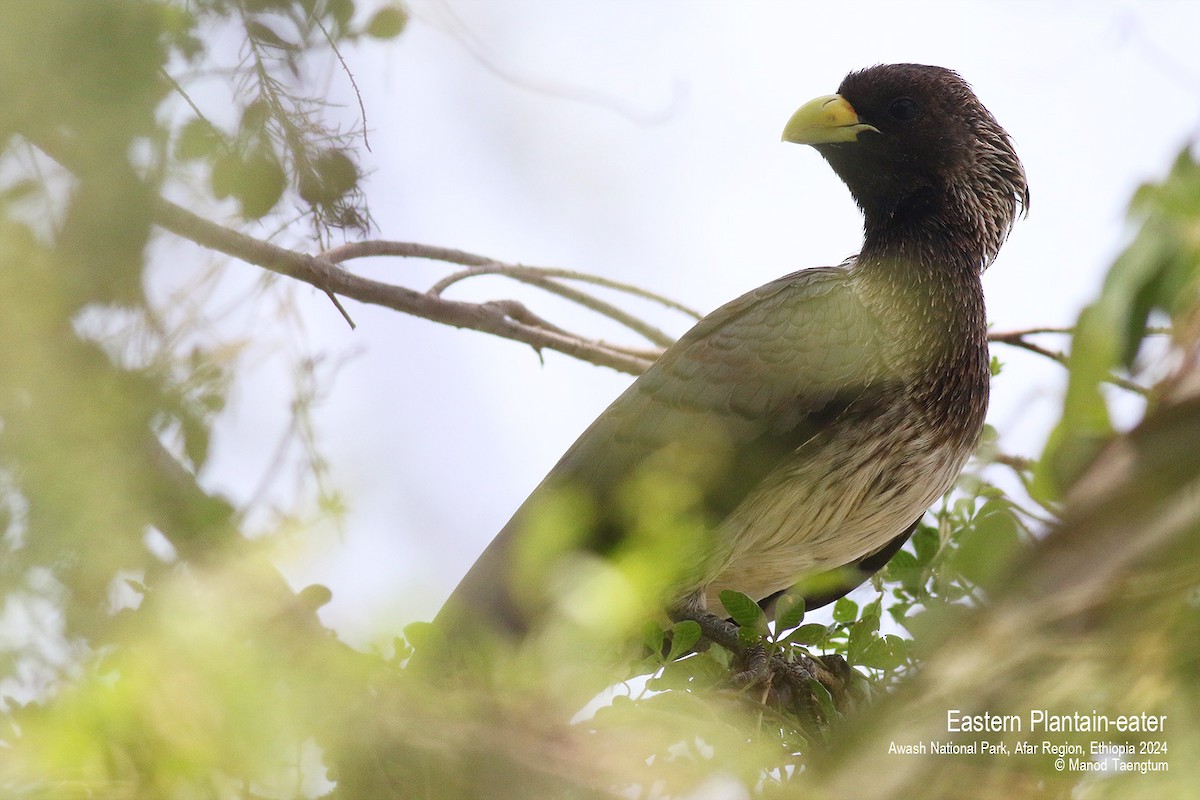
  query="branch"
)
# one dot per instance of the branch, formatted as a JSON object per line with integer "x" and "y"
{"x": 1018, "y": 339}
{"x": 508, "y": 319}
{"x": 542, "y": 277}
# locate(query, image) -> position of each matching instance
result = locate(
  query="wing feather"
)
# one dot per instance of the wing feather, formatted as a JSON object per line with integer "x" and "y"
{"x": 735, "y": 396}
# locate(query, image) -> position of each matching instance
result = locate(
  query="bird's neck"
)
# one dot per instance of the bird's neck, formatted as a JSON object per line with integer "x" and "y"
{"x": 935, "y": 253}
{"x": 922, "y": 280}
{"x": 964, "y": 226}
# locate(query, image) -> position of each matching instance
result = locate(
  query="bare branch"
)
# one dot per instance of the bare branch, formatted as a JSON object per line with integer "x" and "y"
{"x": 507, "y": 319}
{"x": 541, "y": 277}
{"x": 521, "y": 271}
{"x": 362, "y": 108}
{"x": 529, "y": 276}
{"x": 366, "y": 249}
{"x": 1017, "y": 339}
{"x": 1018, "y": 464}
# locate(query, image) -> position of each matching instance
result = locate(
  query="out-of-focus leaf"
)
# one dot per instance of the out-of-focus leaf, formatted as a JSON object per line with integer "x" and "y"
{"x": 1158, "y": 270}
{"x": 904, "y": 568}
{"x": 925, "y": 543}
{"x": 422, "y": 635}
{"x": 330, "y": 178}
{"x": 988, "y": 544}
{"x": 684, "y": 636}
{"x": 225, "y": 173}
{"x": 845, "y": 610}
{"x": 254, "y": 117}
{"x": 260, "y": 185}
{"x": 887, "y": 652}
{"x": 341, "y": 12}
{"x": 264, "y": 34}
{"x": 654, "y": 638}
{"x": 387, "y": 23}
{"x": 871, "y": 612}
{"x": 198, "y": 139}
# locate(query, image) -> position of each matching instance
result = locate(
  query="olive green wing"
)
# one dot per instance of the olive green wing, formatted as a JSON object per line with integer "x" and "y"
{"x": 725, "y": 405}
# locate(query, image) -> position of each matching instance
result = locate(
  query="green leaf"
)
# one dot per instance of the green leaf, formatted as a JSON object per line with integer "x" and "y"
{"x": 254, "y": 117}
{"x": 988, "y": 544}
{"x": 261, "y": 184}
{"x": 871, "y": 612}
{"x": 195, "y": 439}
{"x": 421, "y": 635}
{"x": 654, "y": 638}
{"x": 388, "y": 23}
{"x": 674, "y": 675}
{"x": 263, "y": 34}
{"x": 789, "y": 612}
{"x": 862, "y": 633}
{"x": 899, "y": 612}
{"x": 225, "y": 172}
{"x": 198, "y": 139}
{"x": 333, "y": 175}
{"x": 845, "y": 610}
{"x": 744, "y": 611}
{"x": 1150, "y": 275}
{"x": 341, "y": 11}
{"x": 926, "y": 544}
{"x": 887, "y": 652}
{"x": 683, "y": 638}
{"x": 314, "y": 596}
{"x": 751, "y": 636}
{"x": 401, "y": 649}
{"x": 811, "y": 634}
{"x": 338, "y": 171}
{"x": 824, "y": 700}
{"x": 904, "y": 569}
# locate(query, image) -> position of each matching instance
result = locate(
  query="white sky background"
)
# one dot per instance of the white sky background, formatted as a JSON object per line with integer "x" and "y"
{"x": 640, "y": 141}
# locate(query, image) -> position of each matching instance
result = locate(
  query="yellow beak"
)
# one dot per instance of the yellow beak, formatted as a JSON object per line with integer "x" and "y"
{"x": 825, "y": 120}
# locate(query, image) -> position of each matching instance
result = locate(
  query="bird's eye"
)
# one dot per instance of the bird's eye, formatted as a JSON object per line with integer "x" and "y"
{"x": 904, "y": 109}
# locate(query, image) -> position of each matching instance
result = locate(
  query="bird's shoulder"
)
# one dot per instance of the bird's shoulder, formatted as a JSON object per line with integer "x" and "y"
{"x": 763, "y": 364}
{"x": 799, "y": 338}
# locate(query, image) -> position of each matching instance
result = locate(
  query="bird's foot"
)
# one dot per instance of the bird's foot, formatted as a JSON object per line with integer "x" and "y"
{"x": 786, "y": 681}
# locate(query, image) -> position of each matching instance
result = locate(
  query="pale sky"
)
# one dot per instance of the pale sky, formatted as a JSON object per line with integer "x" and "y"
{"x": 640, "y": 141}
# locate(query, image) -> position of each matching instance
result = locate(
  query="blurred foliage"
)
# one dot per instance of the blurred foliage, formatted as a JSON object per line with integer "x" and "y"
{"x": 151, "y": 650}
{"x": 1157, "y": 276}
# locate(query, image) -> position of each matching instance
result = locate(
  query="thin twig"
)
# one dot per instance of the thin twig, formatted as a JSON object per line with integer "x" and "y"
{"x": 178, "y": 89}
{"x": 541, "y": 277}
{"x": 1034, "y": 331}
{"x": 534, "y": 277}
{"x": 507, "y": 319}
{"x": 379, "y": 247}
{"x": 1016, "y": 463}
{"x": 1017, "y": 339}
{"x": 362, "y": 109}
{"x": 342, "y": 309}
{"x": 481, "y": 265}
{"x": 521, "y": 270}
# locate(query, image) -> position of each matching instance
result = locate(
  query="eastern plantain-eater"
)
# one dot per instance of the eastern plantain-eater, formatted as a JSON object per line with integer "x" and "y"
{"x": 804, "y": 428}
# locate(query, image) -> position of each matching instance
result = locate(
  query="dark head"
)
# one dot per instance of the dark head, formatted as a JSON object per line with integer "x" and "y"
{"x": 918, "y": 149}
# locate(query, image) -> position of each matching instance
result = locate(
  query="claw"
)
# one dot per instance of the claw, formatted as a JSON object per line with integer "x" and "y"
{"x": 785, "y": 682}
{"x": 758, "y": 667}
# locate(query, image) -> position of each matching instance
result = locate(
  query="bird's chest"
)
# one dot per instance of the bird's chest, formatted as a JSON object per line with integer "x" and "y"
{"x": 846, "y": 492}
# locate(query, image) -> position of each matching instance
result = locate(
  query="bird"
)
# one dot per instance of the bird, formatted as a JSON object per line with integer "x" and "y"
{"x": 793, "y": 438}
